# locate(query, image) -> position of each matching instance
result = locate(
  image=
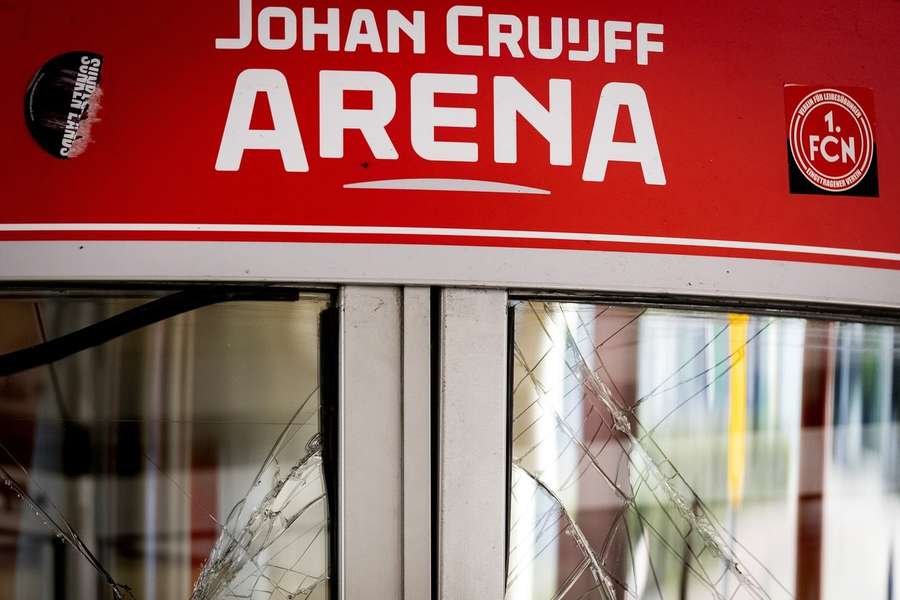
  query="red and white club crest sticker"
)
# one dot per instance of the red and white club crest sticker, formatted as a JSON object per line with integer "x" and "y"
{"x": 831, "y": 139}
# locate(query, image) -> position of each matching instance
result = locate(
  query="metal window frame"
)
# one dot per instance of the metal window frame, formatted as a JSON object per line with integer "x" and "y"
{"x": 472, "y": 471}
{"x": 384, "y": 461}
{"x": 422, "y": 428}
{"x": 473, "y": 409}
{"x": 382, "y": 352}
{"x": 393, "y": 342}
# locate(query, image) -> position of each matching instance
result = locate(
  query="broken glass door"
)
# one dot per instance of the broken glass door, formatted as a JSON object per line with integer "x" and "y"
{"x": 679, "y": 454}
{"x": 165, "y": 446}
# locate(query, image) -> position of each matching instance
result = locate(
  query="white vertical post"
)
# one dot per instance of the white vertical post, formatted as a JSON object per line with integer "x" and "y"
{"x": 416, "y": 443}
{"x": 473, "y": 454}
{"x": 370, "y": 448}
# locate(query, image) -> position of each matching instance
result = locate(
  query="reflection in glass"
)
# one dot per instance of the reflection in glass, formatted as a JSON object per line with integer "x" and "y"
{"x": 676, "y": 454}
{"x": 182, "y": 460}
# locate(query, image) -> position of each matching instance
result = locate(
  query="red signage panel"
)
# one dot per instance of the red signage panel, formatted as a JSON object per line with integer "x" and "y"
{"x": 726, "y": 130}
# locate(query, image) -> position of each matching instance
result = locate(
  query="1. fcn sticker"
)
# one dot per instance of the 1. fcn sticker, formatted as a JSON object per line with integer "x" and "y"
{"x": 831, "y": 140}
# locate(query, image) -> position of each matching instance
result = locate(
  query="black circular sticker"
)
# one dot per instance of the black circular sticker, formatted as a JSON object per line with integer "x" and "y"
{"x": 62, "y": 103}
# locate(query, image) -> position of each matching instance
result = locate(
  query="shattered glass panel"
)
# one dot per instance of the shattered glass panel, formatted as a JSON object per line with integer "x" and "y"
{"x": 183, "y": 460}
{"x": 662, "y": 454}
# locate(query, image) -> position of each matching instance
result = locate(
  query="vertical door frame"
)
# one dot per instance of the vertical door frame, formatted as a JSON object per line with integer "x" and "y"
{"x": 384, "y": 448}
{"x": 472, "y": 470}
{"x": 369, "y": 444}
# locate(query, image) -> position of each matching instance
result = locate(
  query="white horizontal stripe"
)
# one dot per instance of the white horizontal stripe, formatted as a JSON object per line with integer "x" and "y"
{"x": 390, "y": 263}
{"x": 446, "y": 185}
{"x": 437, "y": 231}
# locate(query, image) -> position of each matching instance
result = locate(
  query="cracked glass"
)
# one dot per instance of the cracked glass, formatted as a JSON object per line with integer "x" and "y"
{"x": 181, "y": 460}
{"x": 677, "y": 454}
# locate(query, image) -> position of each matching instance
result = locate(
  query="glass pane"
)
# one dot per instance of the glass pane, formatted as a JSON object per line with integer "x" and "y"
{"x": 182, "y": 460}
{"x": 684, "y": 455}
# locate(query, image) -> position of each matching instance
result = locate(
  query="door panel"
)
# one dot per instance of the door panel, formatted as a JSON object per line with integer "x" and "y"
{"x": 690, "y": 454}
{"x": 181, "y": 458}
